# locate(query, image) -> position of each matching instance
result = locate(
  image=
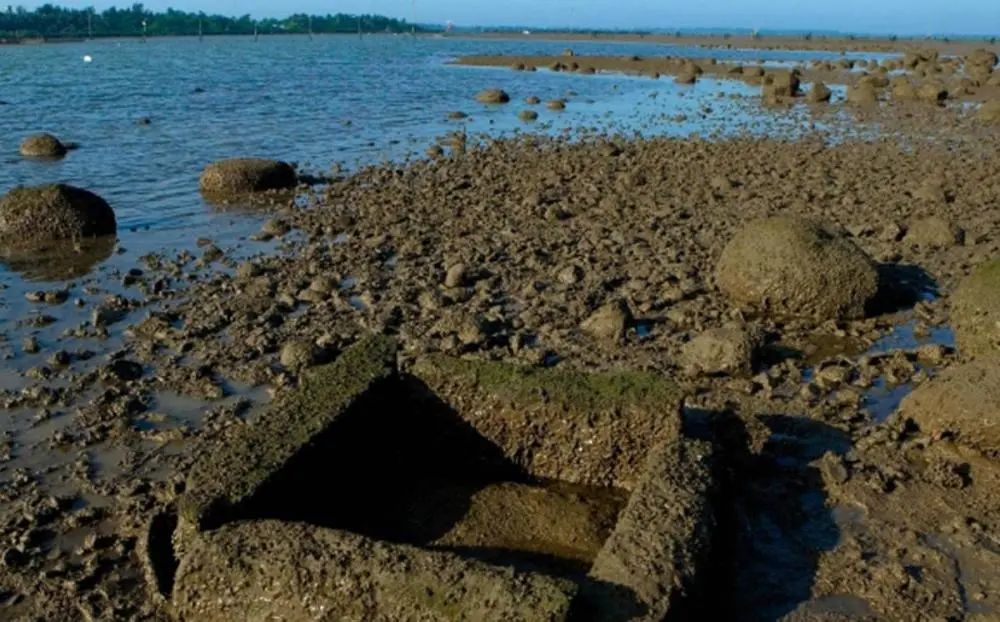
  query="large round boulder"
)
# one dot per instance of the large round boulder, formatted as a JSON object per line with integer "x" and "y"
{"x": 795, "y": 266}
{"x": 975, "y": 312}
{"x": 963, "y": 403}
{"x": 30, "y": 216}
{"x": 42, "y": 146}
{"x": 245, "y": 176}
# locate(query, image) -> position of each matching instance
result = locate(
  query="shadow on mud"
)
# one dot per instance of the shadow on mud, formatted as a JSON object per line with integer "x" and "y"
{"x": 902, "y": 286}
{"x": 773, "y": 520}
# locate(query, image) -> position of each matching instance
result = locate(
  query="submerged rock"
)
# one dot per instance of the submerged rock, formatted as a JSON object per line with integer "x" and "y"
{"x": 962, "y": 403}
{"x": 975, "y": 312}
{"x": 796, "y": 266}
{"x": 528, "y": 115}
{"x": 39, "y": 214}
{"x": 557, "y": 104}
{"x": 242, "y": 176}
{"x": 42, "y": 146}
{"x": 531, "y": 100}
{"x": 493, "y": 96}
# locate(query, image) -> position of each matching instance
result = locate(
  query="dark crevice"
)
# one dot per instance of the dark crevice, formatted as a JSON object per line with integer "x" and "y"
{"x": 160, "y": 548}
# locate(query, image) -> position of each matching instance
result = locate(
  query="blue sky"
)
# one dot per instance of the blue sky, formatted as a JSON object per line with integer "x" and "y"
{"x": 880, "y": 16}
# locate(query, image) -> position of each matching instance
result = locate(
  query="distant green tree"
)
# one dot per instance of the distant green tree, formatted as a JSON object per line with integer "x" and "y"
{"x": 52, "y": 21}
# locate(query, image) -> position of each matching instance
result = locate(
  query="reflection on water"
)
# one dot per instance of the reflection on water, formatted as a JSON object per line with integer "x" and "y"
{"x": 61, "y": 261}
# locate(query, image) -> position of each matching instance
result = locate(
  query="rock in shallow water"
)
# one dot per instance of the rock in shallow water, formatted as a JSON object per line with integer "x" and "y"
{"x": 42, "y": 146}
{"x": 40, "y": 214}
{"x": 241, "y": 176}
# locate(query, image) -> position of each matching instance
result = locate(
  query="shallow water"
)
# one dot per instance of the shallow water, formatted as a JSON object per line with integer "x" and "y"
{"x": 317, "y": 102}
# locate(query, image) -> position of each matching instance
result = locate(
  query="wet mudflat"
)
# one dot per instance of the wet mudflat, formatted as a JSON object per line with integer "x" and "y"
{"x": 597, "y": 250}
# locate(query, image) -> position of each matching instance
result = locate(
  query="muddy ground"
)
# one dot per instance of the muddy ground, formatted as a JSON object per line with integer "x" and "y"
{"x": 506, "y": 251}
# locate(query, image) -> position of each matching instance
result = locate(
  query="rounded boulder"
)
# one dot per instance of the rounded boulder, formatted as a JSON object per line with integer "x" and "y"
{"x": 40, "y": 214}
{"x": 795, "y": 266}
{"x": 245, "y": 176}
{"x": 975, "y": 312}
{"x": 42, "y": 146}
{"x": 493, "y": 96}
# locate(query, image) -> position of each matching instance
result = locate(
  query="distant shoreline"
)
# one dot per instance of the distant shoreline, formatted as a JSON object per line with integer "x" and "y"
{"x": 57, "y": 40}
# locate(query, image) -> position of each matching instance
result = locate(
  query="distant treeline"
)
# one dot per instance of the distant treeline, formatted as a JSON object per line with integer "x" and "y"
{"x": 53, "y": 22}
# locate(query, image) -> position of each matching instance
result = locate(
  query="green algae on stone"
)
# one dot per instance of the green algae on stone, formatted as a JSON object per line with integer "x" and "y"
{"x": 975, "y": 312}
{"x": 593, "y": 429}
{"x": 234, "y": 472}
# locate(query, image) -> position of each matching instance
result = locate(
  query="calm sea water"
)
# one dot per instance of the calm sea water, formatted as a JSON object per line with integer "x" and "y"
{"x": 317, "y": 102}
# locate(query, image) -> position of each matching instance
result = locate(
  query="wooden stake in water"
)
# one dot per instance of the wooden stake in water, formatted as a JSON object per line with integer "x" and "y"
{"x": 255, "y": 32}
{"x": 310, "y": 27}
{"x": 200, "y": 32}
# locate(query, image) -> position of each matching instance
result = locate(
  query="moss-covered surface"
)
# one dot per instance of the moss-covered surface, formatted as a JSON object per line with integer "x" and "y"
{"x": 578, "y": 391}
{"x": 975, "y": 312}
{"x": 234, "y": 472}
{"x": 593, "y": 429}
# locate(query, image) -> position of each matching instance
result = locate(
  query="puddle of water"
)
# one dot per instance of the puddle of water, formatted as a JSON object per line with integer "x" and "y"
{"x": 348, "y": 282}
{"x": 904, "y": 337}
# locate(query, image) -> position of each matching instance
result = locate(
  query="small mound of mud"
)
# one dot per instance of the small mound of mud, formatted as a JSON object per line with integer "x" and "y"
{"x": 528, "y": 115}
{"x": 934, "y": 232}
{"x": 531, "y": 100}
{"x": 686, "y": 77}
{"x": 42, "y": 146}
{"x": 902, "y": 89}
{"x": 933, "y": 93}
{"x": 30, "y": 216}
{"x": 781, "y": 84}
{"x": 242, "y": 176}
{"x": 556, "y": 104}
{"x": 975, "y": 312}
{"x": 493, "y": 96}
{"x": 796, "y": 266}
{"x": 962, "y": 403}
{"x": 456, "y": 115}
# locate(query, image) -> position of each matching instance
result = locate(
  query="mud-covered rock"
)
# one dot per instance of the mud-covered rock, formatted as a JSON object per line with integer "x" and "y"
{"x": 975, "y": 312}
{"x": 981, "y": 59}
{"x": 35, "y": 215}
{"x": 556, "y": 104}
{"x": 727, "y": 350}
{"x": 862, "y": 95}
{"x": 610, "y": 322}
{"x": 241, "y": 176}
{"x": 934, "y": 232}
{"x": 263, "y": 570}
{"x": 298, "y": 354}
{"x": 492, "y": 96}
{"x": 531, "y": 100}
{"x": 989, "y": 112}
{"x": 819, "y": 93}
{"x": 902, "y": 90}
{"x": 796, "y": 266}
{"x": 779, "y": 85}
{"x": 963, "y": 403}
{"x": 42, "y": 146}
{"x": 686, "y": 77}
{"x": 933, "y": 92}
{"x": 528, "y": 115}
